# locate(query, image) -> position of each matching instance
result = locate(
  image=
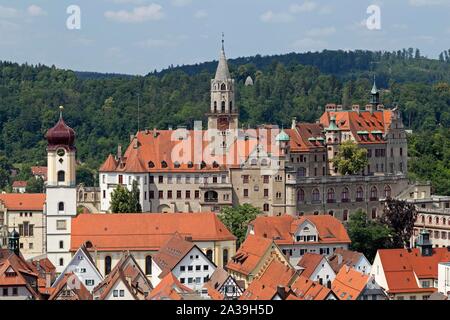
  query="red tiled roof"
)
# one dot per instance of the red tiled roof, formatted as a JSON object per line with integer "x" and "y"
{"x": 360, "y": 121}
{"x": 349, "y": 258}
{"x": 249, "y": 254}
{"x": 23, "y": 201}
{"x": 19, "y": 184}
{"x": 349, "y": 283}
{"x": 401, "y": 266}
{"x": 277, "y": 274}
{"x": 163, "y": 146}
{"x": 309, "y": 262}
{"x": 71, "y": 282}
{"x": 282, "y": 228}
{"x": 39, "y": 171}
{"x": 169, "y": 288}
{"x": 304, "y": 288}
{"x": 144, "y": 231}
{"x": 304, "y": 137}
{"x": 171, "y": 253}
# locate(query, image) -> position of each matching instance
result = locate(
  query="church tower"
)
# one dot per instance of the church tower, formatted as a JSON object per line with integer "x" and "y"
{"x": 61, "y": 202}
{"x": 223, "y": 114}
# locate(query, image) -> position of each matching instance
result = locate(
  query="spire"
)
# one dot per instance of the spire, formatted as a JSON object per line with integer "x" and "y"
{"x": 222, "y": 72}
{"x": 374, "y": 88}
{"x": 375, "y": 94}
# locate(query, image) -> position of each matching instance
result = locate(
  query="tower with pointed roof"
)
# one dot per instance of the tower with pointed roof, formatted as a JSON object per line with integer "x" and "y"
{"x": 61, "y": 200}
{"x": 374, "y": 95}
{"x": 223, "y": 113}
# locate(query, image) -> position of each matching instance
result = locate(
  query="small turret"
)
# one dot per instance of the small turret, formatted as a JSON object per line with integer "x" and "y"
{"x": 424, "y": 244}
{"x": 374, "y": 95}
{"x": 14, "y": 241}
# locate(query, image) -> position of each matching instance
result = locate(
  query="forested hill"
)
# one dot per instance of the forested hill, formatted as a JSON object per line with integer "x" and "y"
{"x": 103, "y": 108}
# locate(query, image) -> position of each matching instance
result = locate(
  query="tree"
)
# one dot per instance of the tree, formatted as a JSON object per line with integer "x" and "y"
{"x": 236, "y": 219}
{"x": 5, "y": 171}
{"x": 35, "y": 185}
{"x": 86, "y": 176}
{"x": 350, "y": 159}
{"x": 125, "y": 201}
{"x": 367, "y": 236}
{"x": 400, "y": 216}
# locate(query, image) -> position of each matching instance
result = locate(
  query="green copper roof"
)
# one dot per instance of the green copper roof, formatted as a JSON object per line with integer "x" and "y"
{"x": 282, "y": 136}
{"x": 377, "y": 132}
{"x": 362, "y": 132}
{"x": 332, "y": 126}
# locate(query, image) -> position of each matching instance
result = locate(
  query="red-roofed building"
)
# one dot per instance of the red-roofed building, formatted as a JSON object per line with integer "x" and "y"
{"x": 252, "y": 258}
{"x": 19, "y": 186}
{"x": 304, "y": 288}
{"x": 107, "y": 235}
{"x": 296, "y": 236}
{"x": 222, "y": 286}
{"x": 24, "y": 212}
{"x": 170, "y": 288}
{"x": 315, "y": 266}
{"x": 409, "y": 273}
{"x": 39, "y": 171}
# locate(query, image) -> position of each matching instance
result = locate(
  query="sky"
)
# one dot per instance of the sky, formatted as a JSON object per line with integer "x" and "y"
{"x": 139, "y": 36}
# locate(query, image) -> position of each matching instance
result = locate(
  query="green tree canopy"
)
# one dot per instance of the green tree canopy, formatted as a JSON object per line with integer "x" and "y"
{"x": 350, "y": 159}
{"x": 236, "y": 219}
{"x": 367, "y": 236}
{"x": 400, "y": 216}
{"x": 125, "y": 201}
{"x": 35, "y": 185}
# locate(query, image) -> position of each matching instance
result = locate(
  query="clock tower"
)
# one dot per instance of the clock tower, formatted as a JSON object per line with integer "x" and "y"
{"x": 223, "y": 113}
{"x": 61, "y": 189}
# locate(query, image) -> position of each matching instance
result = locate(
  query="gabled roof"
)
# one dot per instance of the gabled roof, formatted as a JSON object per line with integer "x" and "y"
{"x": 70, "y": 282}
{"x": 23, "y": 273}
{"x": 23, "y": 201}
{"x": 217, "y": 281}
{"x": 402, "y": 266}
{"x": 19, "y": 184}
{"x": 172, "y": 252}
{"x": 304, "y": 288}
{"x": 109, "y": 165}
{"x": 84, "y": 251}
{"x": 169, "y": 288}
{"x": 276, "y": 275}
{"x": 349, "y": 283}
{"x": 309, "y": 263}
{"x": 347, "y": 257}
{"x": 282, "y": 228}
{"x": 144, "y": 231}
{"x": 39, "y": 171}
{"x": 307, "y": 137}
{"x": 249, "y": 254}
{"x": 128, "y": 271}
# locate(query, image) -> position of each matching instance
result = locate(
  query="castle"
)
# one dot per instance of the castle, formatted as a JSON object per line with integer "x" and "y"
{"x": 278, "y": 171}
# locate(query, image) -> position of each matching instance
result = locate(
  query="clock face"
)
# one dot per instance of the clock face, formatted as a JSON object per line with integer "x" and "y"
{"x": 223, "y": 124}
{"x": 61, "y": 152}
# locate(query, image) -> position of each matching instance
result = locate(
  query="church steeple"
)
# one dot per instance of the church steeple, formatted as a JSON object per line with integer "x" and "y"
{"x": 223, "y": 114}
{"x": 375, "y": 94}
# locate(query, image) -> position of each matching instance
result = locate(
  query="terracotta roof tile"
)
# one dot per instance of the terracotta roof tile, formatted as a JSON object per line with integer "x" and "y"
{"x": 169, "y": 288}
{"x": 304, "y": 288}
{"x": 349, "y": 283}
{"x": 349, "y": 258}
{"x": 70, "y": 282}
{"x": 23, "y": 201}
{"x": 309, "y": 263}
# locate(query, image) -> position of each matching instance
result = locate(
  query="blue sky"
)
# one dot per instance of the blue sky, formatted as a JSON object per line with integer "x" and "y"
{"x": 138, "y": 36}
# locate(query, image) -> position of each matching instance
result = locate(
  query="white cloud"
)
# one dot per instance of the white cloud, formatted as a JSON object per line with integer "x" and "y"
{"x": 422, "y": 3}
{"x": 181, "y": 3}
{"x": 6, "y": 12}
{"x": 307, "y": 6}
{"x": 281, "y": 17}
{"x": 200, "y": 14}
{"x": 140, "y": 14}
{"x": 309, "y": 44}
{"x": 321, "y": 32}
{"x": 36, "y": 11}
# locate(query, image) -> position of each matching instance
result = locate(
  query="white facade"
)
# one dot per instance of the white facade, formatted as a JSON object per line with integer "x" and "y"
{"x": 323, "y": 273}
{"x": 444, "y": 278}
{"x": 363, "y": 265}
{"x": 119, "y": 292}
{"x": 83, "y": 268}
{"x": 21, "y": 294}
{"x": 61, "y": 205}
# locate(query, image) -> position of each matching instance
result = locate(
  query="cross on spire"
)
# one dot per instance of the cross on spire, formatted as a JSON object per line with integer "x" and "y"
{"x": 223, "y": 41}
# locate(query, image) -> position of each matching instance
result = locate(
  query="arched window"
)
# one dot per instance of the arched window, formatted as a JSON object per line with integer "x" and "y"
{"x": 266, "y": 207}
{"x": 422, "y": 219}
{"x": 331, "y": 213}
{"x": 345, "y": 215}
{"x": 223, "y": 87}
{"x": 359, "y": 194}
{"x": 107, "y": 265}
{"x": 223, "y": 106}
{"x": 331, "y": 195}
{"x": 224, "y": 257}
{"x": 300, "y": 195}
{"x": 316, "y": 195}
{"x": 374, "y": 213}
{"x": 209, "y": 254}
{"x": 61, "y": 206}
{"x": 231, "y": 106}
{"x": 436, "y": 219}
{"x": 345, "y": 195}
{"x": 430, "y": 220}
{"x": 61, "y": 176}
{"x": 148, "y": 265}
{"x": 374, "y": 193}
{"x": 211, "y": 196}
{"x": 387, "y": 191}
{"x": 443, "y": 221}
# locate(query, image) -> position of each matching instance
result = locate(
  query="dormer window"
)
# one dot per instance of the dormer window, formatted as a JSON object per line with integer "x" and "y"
{"x": 190, "y": 164}
{"x": 215, "y": 164}
{"x": 151, "y": 164}
{"x": 202, "y": 164}
{"x": 176, "y": 164}
{"x": 163, "y": 164}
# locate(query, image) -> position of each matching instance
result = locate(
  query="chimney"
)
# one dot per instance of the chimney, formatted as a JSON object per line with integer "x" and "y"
{"x": 339, "y": 107}
{"x": 380, "y": 107}
{"x": 330, "y": 107}
{"x": 131, "y": 137}
{"x": 369, "y": 108}
{"x": 355, "y": 107}
{"x": 294, "y": 123}
{"x": 281, "y": 291}
{"x": 119, "y": 152}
